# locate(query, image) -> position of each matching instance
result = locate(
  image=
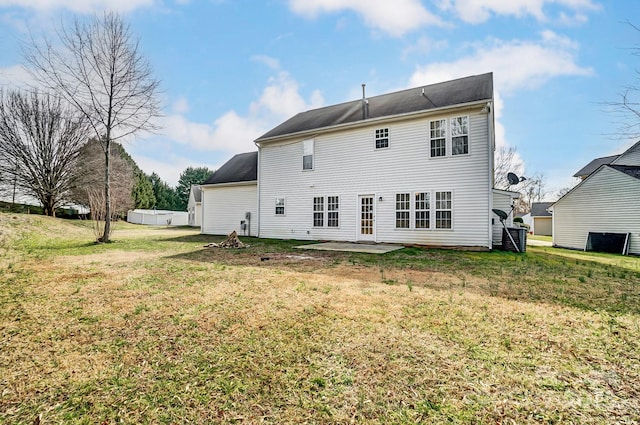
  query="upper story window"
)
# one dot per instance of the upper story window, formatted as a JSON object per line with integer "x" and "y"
{"x": 382, "y": 138}
{"x": 460, "y": 135}
{"x": 279, "y": 206}
{"x": 307, "y": 154}
{"x": 438, "y": 138}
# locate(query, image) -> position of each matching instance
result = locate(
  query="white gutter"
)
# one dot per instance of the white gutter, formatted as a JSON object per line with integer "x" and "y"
{"x": 258, "y": 195}
{"x": 490, "y": 160}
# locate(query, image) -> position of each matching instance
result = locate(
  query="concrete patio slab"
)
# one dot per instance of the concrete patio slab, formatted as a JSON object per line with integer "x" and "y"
{"x": 352, "y": 247}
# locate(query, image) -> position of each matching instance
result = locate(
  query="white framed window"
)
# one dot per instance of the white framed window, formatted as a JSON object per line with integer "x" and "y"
{"x": 280, "y": 204}
{"x": 333, "y": 211}
{"x": 460, "y": 135}
{"x": 318, "y": 211}
{"x": 422, "y": 210}
{"x": 403, "y": 210}
{"x": 438, "y": 138}
{"x": 382, "y": 138}
{"x": 444, "y": 211}
{"x": 328, "y": 207}
{"x": 307, "y": 154}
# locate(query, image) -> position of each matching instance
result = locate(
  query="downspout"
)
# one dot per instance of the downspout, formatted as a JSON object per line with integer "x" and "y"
{"x": 258, "y": 195}
{"x": 491, "y": 154}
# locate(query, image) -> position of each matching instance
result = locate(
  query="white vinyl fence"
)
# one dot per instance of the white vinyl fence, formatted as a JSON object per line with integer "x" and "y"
{"x": 158, "y": 217}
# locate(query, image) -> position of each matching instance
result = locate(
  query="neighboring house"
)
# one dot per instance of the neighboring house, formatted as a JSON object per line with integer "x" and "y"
{"x": 194, "y": 206}
{"x": 230, "y": 197}
{"x": 412, "y": 167}
{"x": 606, "y": 201}
{"x": 539, "y": 219}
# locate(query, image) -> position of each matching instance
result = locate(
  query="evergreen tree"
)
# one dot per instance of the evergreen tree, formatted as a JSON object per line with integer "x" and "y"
{"x": 189, "y": 177}
{"x": 166, "y": 198}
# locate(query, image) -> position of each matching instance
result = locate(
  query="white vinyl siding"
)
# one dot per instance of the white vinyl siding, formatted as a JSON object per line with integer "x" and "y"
{"x": 346, "y": 165}
{"x": 224, "y": 207}
{"x": 607, "y": 201}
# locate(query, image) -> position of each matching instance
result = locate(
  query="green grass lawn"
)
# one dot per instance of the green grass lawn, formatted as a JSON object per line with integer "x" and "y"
{"x": 154, "y": 328}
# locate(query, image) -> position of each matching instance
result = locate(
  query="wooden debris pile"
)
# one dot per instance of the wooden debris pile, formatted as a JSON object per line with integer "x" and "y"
{"x": 232, "y": 241}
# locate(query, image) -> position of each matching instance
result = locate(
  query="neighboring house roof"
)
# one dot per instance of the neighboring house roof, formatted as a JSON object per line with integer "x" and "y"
{"x": 539, "y": 209}
{"x": 243, "y": 167}
{"x": 633, "y": 171}
{"x": 449, "y": 93}
{"x": 595, "y": 164}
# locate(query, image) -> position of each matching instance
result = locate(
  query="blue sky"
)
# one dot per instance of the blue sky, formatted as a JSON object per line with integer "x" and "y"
{"x": 230, "y": 70}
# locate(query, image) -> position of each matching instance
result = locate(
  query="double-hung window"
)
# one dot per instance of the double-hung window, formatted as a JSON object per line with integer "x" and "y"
{"x": 328, "y": 207}
{"x": 443, "y": 210}
{"x": 307, "y": 154}
{"x": 279, "y": 206}
{"x": 318, "y": 211}
{"x": 333, "y": 211}
{"x": 382, "y": 138}
{"x": 438, "y": 138}
{"x": 403, "y": 210}
{"x": 422, "y": 210}
{"x": 460, "y": 135}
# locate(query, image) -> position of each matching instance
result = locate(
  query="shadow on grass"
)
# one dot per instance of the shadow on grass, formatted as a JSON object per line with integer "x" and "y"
{"x": 587, "y": 281}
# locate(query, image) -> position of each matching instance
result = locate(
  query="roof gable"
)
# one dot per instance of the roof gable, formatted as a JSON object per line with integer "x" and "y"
{"x": 440, "y": 95}
{"x": 243, "y": 167}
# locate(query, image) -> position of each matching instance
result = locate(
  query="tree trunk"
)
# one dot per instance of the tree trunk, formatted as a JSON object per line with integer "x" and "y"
{"x": 107, "y": 190}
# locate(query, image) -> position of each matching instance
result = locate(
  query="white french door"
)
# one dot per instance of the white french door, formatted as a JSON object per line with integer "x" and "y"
{"x": 366, "y": 218}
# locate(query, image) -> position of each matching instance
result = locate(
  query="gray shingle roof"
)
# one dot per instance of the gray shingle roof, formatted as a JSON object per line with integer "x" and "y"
{"x": 243, "y": 167}
{"x": 595, "y": 164}
{"x": 539, "y": 209}
{"x": 448, "y": 93}
{"x": 633, "y": 171}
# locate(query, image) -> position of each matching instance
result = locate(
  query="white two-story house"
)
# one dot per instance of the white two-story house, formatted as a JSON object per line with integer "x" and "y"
{"x": 412, "y": 167}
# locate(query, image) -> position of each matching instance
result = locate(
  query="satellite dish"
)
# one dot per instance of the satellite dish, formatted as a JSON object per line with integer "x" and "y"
{"x": 503, "y": 215}
{"x": 513, "y": 179}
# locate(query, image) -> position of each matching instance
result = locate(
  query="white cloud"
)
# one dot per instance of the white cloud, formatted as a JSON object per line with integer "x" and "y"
{"x": 477, "y": 11}
{"x": 394, "y": 17}
{"x": 234, "y": 133}
{"x": 516, "y": 64}
{"x": 180, "y": 106}
{"x": 423, "y": 46}
{"x": 79, "y": 6}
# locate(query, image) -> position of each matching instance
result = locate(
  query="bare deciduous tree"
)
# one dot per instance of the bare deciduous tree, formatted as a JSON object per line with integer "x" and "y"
{"x": 40, "y": 139}
{"x": 506, "y": 161}
{"x": 87, "y": 178}
{"x": 99, "y": 68}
